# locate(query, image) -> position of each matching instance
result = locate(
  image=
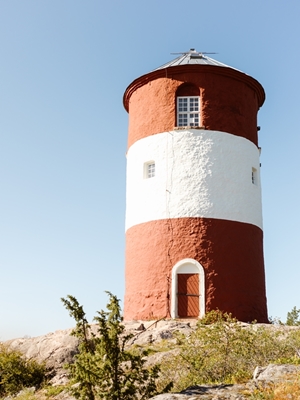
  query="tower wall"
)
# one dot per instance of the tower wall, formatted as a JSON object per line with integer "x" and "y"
{"x": 229, "y": 101}
{"x": 230, "y": 252}
{"x": 204, "y": 202}
{"x": 198, "y": 173}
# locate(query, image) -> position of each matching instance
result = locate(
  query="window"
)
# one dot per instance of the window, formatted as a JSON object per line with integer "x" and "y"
{"x": 188, "y": 111}
{"x": 254, "y": 176}
{"x": 149, "y": 169}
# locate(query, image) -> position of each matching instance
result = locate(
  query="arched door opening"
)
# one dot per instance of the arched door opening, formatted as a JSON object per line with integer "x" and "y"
{"x": 188, "y": 296}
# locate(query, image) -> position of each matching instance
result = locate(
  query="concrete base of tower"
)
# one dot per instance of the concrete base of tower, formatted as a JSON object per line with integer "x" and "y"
{"x": 230, "y": 254}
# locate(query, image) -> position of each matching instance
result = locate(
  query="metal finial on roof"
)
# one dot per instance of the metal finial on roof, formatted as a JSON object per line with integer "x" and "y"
{"x": 195, "y": 54}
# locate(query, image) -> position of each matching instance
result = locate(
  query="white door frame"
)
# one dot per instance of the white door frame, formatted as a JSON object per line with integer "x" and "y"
{"x": 187, "y": 266}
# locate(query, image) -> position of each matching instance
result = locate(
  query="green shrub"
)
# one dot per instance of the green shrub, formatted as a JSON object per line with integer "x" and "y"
{"x": 17, "y": 373}
{"x": 52, "y": 391}
{"x": 293, "y": 317}
{"x": 104, "y": 368}
{"x": 222, "y": 350}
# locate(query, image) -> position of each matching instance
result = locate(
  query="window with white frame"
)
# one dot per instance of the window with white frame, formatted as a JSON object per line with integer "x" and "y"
{"x": 254, "y": 176}
{"x": 149, "y": 169}
{"x": 188, "y": 111}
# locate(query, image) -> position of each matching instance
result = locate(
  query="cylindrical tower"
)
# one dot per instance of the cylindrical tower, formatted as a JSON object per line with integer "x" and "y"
{"x": 194, "y": 239}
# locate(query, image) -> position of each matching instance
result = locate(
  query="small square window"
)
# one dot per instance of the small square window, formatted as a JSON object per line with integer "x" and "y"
{"x": 149, "y": 169}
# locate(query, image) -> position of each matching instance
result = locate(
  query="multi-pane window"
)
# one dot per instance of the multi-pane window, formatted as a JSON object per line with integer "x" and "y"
{"x": 188, "y": 111}
{"x": 150, "y": 170}
{"x": 254, "y": 176}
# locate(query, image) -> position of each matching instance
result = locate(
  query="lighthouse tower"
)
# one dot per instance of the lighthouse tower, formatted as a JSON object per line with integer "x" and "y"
{"x": 194, "y": 239}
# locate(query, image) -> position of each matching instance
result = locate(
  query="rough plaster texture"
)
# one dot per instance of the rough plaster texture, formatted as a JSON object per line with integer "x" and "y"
{"x": 202, "y": 203}
{"x": 229, "y": 103}
{"x": 198, "y": 173}
{"x": 230, "y": 252}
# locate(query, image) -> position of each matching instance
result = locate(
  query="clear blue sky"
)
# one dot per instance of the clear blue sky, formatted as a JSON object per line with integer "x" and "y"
{"x": 63, "y": 71}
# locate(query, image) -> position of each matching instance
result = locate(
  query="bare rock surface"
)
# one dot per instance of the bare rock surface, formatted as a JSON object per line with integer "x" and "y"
{"x": 213, "y": 392}
{"x": 157, "y": 331}
{"x": 54, "y": 349}
{"x": 58, "y": 348}
{"x": 262, "y": 377}
{"x": 275, "y": 373}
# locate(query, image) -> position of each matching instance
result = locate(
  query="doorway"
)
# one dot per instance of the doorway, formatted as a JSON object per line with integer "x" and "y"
{"x": 188, "y": 295}
{"x": 188, "y": 285}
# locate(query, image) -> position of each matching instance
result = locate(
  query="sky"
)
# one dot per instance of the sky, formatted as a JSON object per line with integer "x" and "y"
{"x": 64, "y": 67}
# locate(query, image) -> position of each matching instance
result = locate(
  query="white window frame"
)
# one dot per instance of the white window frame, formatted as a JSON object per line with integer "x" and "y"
{"x": 188, "y": 111}
{"x": 254, "y": 176}
{"x": 149, "y": 169}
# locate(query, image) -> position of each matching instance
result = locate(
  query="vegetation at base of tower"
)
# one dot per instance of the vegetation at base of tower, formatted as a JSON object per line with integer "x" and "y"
{"x": 17, "y": 373}
{"x": 219, "y": 350}
{"x": 293, "y": 317}
{"x": 223, "y": 350}
{"x": 105, "y": 368}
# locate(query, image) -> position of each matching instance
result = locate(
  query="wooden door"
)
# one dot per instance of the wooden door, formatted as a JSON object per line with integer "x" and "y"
{"x": 188, "y": 295}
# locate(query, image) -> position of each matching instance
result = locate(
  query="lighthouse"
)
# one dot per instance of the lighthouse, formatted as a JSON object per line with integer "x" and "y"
{"x": 194, "y": 238}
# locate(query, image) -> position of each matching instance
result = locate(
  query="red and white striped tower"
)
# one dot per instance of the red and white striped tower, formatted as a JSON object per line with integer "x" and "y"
{"x": 194, "y": 239}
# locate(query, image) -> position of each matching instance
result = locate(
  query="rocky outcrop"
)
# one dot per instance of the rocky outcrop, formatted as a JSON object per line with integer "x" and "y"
{"x": 58, "y": 348}
{"x": 262, "y": 377}
{"x": 274, "y": 373}
{"x": 54, "y": 349}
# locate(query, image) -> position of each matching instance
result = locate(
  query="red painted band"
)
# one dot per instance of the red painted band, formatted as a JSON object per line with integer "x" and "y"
{"x": 229, "y": 101}
{"x": 231, "y": 254}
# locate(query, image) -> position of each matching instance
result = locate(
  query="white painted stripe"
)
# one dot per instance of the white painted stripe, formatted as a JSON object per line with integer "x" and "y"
{"x": 198, "y": 173}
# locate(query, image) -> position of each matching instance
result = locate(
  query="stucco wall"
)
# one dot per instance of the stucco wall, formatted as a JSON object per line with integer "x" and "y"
{"x": 231, "y": 254}
{"x": 202, "y": 203}
{"x": 198, "y": 173}
{"x": 227, "y": 104}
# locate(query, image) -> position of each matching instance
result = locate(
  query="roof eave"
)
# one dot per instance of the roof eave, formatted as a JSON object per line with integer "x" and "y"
{"x": 170, "y": 71}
